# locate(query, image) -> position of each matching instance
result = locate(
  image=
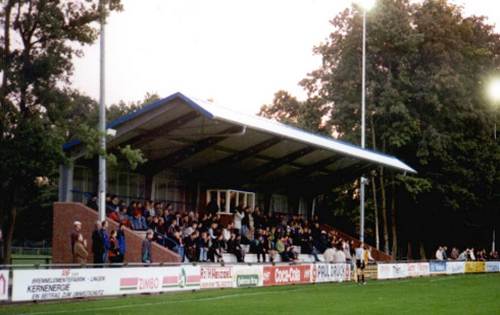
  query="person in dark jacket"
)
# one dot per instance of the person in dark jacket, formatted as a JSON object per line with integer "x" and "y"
{"x": 146, "y": 256}
{"x": 105, "y": 240}
{"x": 234, "y": 247}
{"x": 122, "y": 245}
{"x": 97, "y": 244}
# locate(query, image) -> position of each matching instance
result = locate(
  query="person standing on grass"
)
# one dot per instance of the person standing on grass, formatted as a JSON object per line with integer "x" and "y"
{"x": 146, "y": 256}
{"x": 360, "y": 264}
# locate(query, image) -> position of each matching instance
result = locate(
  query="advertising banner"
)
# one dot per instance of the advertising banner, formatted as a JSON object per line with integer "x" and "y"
{"x": 216, "y": 277}
{"x": 420, "y": 269}
{"x": 281, "y": 275}
{"x": 29, "y": 285}
{"x": 392, "y": 271}
{"x": 474, "y": 266}
{"x": 331, "y": 272}
{"x": 455, "y": 267}
{"x": 437, "y": 266}
{"x": 247, "y": 276}
{"x": 493, "y": 266}
{"x": 4, "y": 285}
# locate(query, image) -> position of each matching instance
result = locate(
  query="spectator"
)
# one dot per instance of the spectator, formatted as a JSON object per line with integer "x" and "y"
{"x": 138, "y": 222}
{"x": 238, "y": 217}
{"x": 329, "y": 255}
{"x": 203, "y": 244}
{"x": 123, "y": 217}
{"x": 105, "y": 240}
{"x": 257, "y": 246}
{"x": 339, "y": 256}
{"x": 190, "y": 245}
{"x": 97, "y": 244}
{"x": 216, "y": 249}
{"x": 146, "y": 256}
{"x": 114, "y": 248}
{"x": 122, "y": 244}
{"x": 212, "y": 206}
{"x": 234, "y": 247}
{"x": 92, "y": 202}
{"x": 77, "y": 228}
{"x": 439, "y": 253}
{"x": 454, "y": 253}
{"x": 80, "y": 252}
{"x": 444, "y": 250}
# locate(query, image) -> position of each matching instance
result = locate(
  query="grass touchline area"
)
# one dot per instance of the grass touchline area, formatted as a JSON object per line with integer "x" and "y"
{"x": 462, "y": 294}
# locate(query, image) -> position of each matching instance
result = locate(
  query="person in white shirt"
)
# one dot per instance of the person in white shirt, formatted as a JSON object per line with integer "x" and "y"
{"x": 439, "y": 253}
{"x": 238, "y": 216}
{"x": 329, "y": 255}
{"x": 339, "y": 256}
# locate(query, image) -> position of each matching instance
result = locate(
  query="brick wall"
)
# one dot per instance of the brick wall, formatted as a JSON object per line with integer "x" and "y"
{"x": 65, "y": 213}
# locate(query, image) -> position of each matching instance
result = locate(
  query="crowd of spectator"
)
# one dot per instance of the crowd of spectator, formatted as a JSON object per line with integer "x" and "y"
{"x": 202, "y": 237}
{"x": 468, "y": 254}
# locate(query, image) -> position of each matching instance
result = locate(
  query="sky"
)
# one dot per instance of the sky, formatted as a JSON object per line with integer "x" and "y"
{"x": 236, "y": 53}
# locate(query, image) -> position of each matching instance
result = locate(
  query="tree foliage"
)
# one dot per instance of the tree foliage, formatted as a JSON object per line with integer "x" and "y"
{"x": 38, "y": 43}
{"x": 427, "y": 65}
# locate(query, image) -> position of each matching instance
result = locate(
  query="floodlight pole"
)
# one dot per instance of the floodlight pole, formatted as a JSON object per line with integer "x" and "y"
{"x": 363, "y": 87}
{"x": 102, "y": 117}
{"x": 494, "y": 219}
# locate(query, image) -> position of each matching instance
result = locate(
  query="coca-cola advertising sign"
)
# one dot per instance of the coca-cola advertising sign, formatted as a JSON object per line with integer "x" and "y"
{"x": 281, "y": 275}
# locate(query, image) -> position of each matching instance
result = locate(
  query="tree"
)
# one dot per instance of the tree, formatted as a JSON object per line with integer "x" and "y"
{"x": 39, "y": 40}
{"x": 426, "y": 68}
{"x": 307, "y": 115}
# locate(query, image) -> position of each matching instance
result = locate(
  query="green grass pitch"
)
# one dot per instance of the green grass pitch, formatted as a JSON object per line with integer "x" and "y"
{"x": 463, "y": 294}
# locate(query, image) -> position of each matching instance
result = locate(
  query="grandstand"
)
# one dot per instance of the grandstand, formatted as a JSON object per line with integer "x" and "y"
{"x": 194, "y": 147}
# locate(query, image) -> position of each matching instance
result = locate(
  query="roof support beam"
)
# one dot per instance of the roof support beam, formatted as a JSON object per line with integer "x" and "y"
{"x": 141, "y": 140}
{"x": 153, "y": 167}
{"x": 240, "y": 156}
{"x": 310, "y": 169}
{"x": 275, "y": 164}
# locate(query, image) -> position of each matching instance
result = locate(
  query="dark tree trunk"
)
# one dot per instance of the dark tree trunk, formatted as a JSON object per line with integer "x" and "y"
{"x": 384, "y": 211}
{"x": 9, "y": 234}
{"x": 393, "y": 221}
{"x": 374, "y": 190}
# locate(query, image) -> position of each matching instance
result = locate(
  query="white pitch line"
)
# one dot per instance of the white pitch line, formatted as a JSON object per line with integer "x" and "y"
{"x": 116, "y": 307}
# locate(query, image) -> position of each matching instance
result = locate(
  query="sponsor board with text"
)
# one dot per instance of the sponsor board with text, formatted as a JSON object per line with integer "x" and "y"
{"x": 247, "y": 276}
{"x": 392, "y": 271}
{"x": 30, "y": 285}
{"x": 492, "y": 266}
{"x": 282, "y": 275}
{"x": 322, "y": 272}
{"x": 474, "y": 266}
{"x": 437, "y": 266}
{"x": 216, "y": 277}
{"x": 455, "y": 267}
{"x": 419, "y": 269}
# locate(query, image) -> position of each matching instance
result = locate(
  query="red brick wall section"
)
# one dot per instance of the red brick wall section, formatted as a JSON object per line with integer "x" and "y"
{"x": 65, "y": 213}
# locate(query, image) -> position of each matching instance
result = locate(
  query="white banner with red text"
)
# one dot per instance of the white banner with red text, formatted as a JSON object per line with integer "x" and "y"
{"x": 50, "y": 284}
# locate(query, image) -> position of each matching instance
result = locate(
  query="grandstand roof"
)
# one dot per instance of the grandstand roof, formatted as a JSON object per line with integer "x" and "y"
{"x": 211, "y": 140}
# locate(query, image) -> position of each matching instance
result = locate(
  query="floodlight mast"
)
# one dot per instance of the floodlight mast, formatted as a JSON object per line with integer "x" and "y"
{"x": 102, "y": 116}
{"x": 366, "y": 5}
{"x": 494, "y": 95}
